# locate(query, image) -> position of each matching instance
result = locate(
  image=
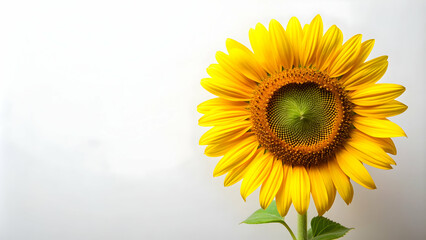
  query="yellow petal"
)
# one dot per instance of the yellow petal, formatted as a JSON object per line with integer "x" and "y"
{"x": 318, "y": 190}
{"x": 227, "y": 64}
{"x": 354, "y": 169}
{"x": 388, "y": 109}
{"x": 385, "y": 143}
{"x": 295, "y": 35}
{"x": 219, "y": 134}
{"x": 239, "y": 154}
{"x": 378, "y": 127}
{"x": 284, "y": 194}
{"x": 368, "y": 73}
{"x": 236, "y": 174}
{"x": 366, "y": 48}
{"x": 305, "y": 29}
{"x": 217, "y": 71}
{"x": 272, "y": 184}
{"x": 300, "y": 189}
{"x": 370, "y": 146}
{"x": 232, "y": 44}
{"x": 343, "y": 62}
{"x": 376, "y": 94}
{"x": 282, "y": 44}
{"x": 256, "y": 175}
{"x": 341, "y": 181}
{"x": 247, "y": 64}
{"x": 221, "y": 149}
{"x": 330, "y": 43}
{"x": 311, "y": 40}
{"x": 222, "y": 118}
{"x": 263, "y": 49}
{"x": 218, "y": 150}
{"x": 363, "y": 157}
{"x": 329, "y": 185}
{"x": 221, "y": 104}
{"x": 227, "y": 89}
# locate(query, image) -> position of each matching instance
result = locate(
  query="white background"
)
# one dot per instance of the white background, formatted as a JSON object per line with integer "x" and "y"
{"x": 99, "y": 135}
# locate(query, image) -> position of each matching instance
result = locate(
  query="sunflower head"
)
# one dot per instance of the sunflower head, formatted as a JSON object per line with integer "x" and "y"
{"x": 299, "y": 114}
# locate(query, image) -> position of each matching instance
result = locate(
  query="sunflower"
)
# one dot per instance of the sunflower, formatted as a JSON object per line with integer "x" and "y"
{"x": 300, "y": 114}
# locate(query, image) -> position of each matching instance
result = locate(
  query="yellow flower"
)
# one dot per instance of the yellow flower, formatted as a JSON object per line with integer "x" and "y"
{"x": 300, "y": 114}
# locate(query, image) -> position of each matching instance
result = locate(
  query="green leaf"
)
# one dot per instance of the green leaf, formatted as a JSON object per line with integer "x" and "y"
{"x": 268, "y": 215}
{"x": 310, "y": 234}
{"x": 325, "y": 229}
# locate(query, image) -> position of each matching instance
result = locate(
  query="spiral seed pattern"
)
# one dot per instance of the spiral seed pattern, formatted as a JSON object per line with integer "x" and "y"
{"x": 301, "y": 115}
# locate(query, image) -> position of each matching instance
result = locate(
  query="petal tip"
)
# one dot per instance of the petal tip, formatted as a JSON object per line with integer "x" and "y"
{"x": 302, "y": 211}
{"x": 273, "y": 21}
{"x": 318, "y": 17}
{"x": 216, "y": 173}
{"x": 243, "y": 197}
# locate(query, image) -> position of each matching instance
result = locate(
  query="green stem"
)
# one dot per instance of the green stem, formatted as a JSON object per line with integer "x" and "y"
{"x": 289, "y": 230}
{"x": 302, "y": 227}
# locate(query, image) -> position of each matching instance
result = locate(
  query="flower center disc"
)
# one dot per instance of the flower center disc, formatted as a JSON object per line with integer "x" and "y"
{"x": 301, "y": 116}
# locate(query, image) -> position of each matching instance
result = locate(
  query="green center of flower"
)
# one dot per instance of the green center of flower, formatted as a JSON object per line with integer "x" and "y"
{"x": 302, "y": 114}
